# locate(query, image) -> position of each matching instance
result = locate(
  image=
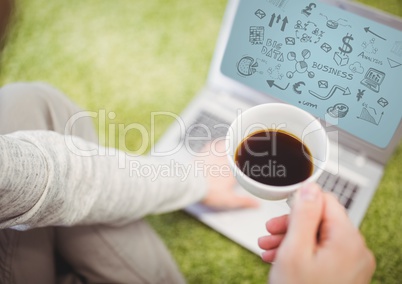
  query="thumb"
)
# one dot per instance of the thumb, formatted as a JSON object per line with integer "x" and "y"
{"x": 305, "y": 219}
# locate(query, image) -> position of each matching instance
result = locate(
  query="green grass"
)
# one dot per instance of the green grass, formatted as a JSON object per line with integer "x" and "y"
{"x": 135, "y": 57}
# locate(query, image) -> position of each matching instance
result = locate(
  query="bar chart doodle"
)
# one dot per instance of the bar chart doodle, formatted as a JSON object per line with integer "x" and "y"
{"x": 279, "y": 3}
{"x": 373, "y": 79}
{"x": 397, "y": 48}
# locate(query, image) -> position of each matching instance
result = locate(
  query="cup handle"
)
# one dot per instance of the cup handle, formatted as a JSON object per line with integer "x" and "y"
{"x": 290, "y": 200}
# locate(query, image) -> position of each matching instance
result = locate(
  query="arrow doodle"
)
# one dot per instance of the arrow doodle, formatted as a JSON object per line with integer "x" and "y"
{"x": 284, "y": 23}
{"x": 367, "y": 30}
{"x": 271, "y": 83}
{"x": 278, "y": 18}
{"x": 334, "y": 89}
{"x": 271, "y": 22}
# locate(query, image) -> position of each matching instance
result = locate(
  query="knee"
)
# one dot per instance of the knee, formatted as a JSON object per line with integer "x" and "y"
{"x": 33, "y": 99}
{"x": 20, "y": 95}
{"x": 33, "y": 106}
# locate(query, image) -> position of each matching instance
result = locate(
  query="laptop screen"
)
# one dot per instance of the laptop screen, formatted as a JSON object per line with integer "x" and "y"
{"x": 338, "y": 66}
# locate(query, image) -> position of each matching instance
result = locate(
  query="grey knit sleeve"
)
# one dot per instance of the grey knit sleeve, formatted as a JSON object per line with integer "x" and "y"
{"x": 50, "y": 179}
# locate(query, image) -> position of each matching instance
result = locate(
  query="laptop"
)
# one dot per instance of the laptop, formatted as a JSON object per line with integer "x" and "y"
{"x": 373, "y": 79}
{"x": 338, "y": 60}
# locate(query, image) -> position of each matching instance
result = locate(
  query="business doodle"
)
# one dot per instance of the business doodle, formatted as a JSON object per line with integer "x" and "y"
{"x": 323, "y": 59}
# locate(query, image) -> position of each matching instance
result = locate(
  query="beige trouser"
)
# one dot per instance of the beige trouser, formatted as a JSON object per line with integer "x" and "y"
{"x": 82, "y": 254}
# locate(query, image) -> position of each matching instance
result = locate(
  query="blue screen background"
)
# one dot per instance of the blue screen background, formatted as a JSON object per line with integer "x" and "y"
{"x": 334, "y": 64}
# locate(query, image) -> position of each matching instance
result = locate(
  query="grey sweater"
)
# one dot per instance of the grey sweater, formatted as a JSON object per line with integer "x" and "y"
{"x": 50, "y": 179}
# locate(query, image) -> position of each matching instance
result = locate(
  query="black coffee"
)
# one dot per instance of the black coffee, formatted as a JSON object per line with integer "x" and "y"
{"x": 274, "y": 157}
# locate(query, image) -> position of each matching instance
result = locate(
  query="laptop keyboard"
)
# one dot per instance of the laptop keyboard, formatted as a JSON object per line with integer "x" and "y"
{"x": 209, "y": 124}
{"x": 344, "y": 189}
{"x": 206, "y": 124}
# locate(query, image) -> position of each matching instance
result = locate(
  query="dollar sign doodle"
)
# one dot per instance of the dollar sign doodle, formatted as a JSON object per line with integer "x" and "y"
{"x": 346, "y": 48}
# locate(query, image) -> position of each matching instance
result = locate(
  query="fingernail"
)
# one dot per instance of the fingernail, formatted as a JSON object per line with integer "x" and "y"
{"x": 264, "y": 256}
{"x": 309, "y": 192}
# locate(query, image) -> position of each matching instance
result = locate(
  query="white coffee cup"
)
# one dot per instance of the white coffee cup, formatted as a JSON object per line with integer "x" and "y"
{"x": 284, "y": 117}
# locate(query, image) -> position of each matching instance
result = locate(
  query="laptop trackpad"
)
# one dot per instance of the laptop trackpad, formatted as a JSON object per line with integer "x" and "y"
{"x": 243, "y": 226}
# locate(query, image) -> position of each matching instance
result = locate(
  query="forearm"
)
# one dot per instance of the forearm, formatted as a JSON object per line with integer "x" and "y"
{"x": 43, "y": 183}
